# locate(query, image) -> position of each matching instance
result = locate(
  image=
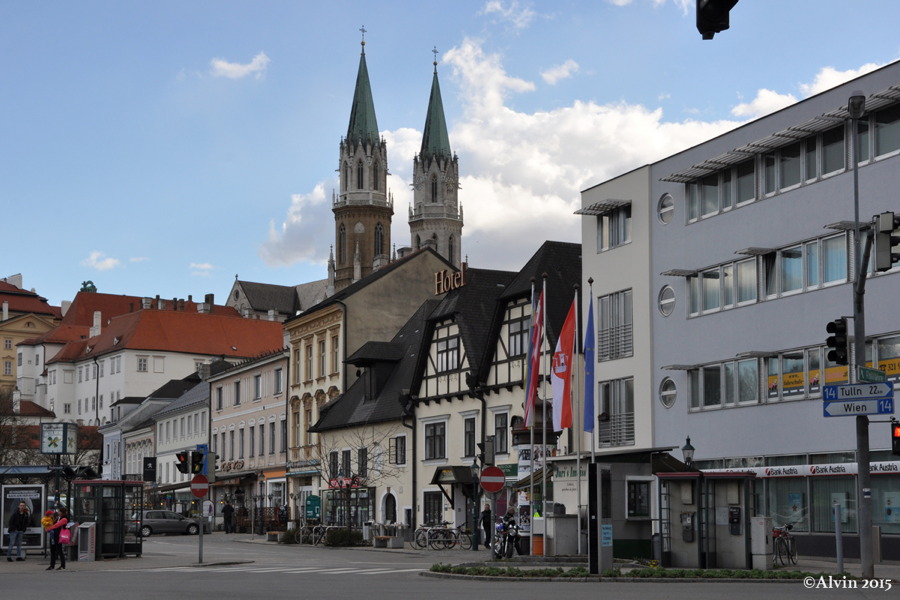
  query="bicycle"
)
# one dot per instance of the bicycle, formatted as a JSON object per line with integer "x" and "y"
{"x": 785, "y": 545}
{"x": 445, "y": 538}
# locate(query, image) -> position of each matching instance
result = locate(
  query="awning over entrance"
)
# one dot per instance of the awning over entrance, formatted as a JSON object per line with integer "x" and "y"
{"x": 452, "y": 475}
{"x": 234, "y": 479}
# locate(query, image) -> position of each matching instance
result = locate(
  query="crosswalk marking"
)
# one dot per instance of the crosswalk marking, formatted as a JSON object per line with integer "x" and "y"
{"x": 289, "y": 570}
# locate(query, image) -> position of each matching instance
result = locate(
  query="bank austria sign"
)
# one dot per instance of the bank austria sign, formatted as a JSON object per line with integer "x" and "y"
{"x": 875, "y": 468}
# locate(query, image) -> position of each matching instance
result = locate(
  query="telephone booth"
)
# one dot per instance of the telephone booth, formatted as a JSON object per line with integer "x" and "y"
{"x": 705, "y": 519}
{"x": 111, "y": 505}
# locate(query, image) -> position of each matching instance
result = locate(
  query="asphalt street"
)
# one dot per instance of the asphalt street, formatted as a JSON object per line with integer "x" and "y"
{"x": 238, "y": 566}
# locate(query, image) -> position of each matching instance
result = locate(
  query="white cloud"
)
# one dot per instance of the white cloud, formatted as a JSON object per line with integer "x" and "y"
{"x": 201, "y": 269}
{"x": 518, "y": 17}
{"x": 829, "y": 77}
{"x": 99, "y": 261}
{"x": 766, "y": 102}
{"x": 521, "y": 173}
{"x": 563, "y": 71}
{"x": 138, "y": 259}
{"x": 222, "y": 68}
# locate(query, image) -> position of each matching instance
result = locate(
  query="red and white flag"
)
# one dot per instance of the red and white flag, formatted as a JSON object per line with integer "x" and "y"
{"x": 561, "y": 373}
{"x": 535, "y": 345}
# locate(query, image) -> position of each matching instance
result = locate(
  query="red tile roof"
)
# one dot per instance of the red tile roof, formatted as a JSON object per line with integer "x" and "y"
{"x": 177, "y": 331}
{"x": 23, "y": 301}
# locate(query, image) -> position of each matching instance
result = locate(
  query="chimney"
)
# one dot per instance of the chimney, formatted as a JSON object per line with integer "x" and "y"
{"x": 95, "y": 328}
{"x": 190, "y": 298}
{"x": 5, "y": 310}
{"x": 146, "y": 303}
{"x": 210, "y": 299}
{"x": 271, "y": 314}
{"x": 204, "y": 371}
{"x": 160, "y": 304}
{"x": 65, "y": 306}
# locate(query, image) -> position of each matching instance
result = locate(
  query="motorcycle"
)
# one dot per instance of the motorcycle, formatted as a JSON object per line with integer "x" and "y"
{"x": 506, "y": 539}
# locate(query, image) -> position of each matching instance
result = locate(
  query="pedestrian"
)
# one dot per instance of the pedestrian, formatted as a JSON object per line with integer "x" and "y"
{"x": 56, "y": 547}
{"x": 19, "y": 522}
{"x": 228, "y": 516}
{"x": 487, "y": 524}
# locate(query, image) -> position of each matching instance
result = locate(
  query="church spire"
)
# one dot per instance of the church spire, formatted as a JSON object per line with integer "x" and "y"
{"x": 435, "y": 141}
{"x": 363, "y": 125}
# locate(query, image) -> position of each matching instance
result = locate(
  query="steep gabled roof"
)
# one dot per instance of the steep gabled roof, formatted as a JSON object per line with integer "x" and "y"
{"x": 267, "y": 296}
{"x": 472, "y": 307}
{"x": 371, "y": 278}
{"x": 561, "y": 261}
{"x": 352, "y": 408}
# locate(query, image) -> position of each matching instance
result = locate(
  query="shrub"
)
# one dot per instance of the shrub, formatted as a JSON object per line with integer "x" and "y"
{"x": 338, "y": 536}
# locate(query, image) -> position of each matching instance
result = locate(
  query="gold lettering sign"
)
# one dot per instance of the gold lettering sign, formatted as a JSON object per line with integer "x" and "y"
{"x": 445, "y": 281}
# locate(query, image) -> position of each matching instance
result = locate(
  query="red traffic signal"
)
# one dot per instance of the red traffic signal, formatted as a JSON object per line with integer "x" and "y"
{"x": 181, "y": 462}
{"x": 895, "y": 437}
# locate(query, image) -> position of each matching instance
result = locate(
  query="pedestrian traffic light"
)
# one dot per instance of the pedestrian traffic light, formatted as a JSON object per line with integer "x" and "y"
{"x": 895, "y": 437}
{"x": 884, "y": 241}
{"x": 486, "y": 453}
{"x": 837, "y": 341}
{"x": 712, "y": 16}
{"x": 182, "y": 461}
{"x": 197, "y": 459}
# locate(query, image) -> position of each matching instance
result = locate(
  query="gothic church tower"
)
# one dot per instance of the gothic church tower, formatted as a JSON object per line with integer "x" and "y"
{"x": 363, "y": 209}
{"x": 436, "y": 218}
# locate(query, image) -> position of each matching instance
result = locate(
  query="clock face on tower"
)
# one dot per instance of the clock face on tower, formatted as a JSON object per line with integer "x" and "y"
{"x": 359, "y": 228}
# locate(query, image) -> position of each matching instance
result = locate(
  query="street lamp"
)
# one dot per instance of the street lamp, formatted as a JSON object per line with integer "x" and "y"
{"x": 476, "y": 532}
{"x": 856, "y": 106}
{"x": 688, "y": 451}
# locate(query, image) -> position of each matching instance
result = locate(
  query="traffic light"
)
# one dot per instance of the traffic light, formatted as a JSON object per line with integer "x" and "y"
{"x": 895, "y": 437}
{"x": 712, "y": 16}
{"x": 837, "y": 341}
{"x": 885, "y": 240}
{"x": 486, "y": 453}
{"x": 183, "y": 462}
{"x": 197, "y": 459}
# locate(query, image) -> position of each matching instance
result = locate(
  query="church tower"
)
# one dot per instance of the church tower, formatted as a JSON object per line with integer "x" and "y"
{"x": 363, "y": 208}
{"x": 436, "y": 218}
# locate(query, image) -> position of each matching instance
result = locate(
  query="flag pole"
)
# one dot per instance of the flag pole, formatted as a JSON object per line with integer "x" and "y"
{"x": 576, "y": 410}
{"x": 543, "y": 417}
{"x": 531, "y": 425}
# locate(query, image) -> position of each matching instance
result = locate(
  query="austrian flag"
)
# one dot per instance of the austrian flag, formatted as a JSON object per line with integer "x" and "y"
{"x": 561, "y": 373}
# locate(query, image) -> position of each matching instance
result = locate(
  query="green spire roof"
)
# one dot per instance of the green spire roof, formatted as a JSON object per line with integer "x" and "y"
{"x": 435, "y": 141}
{"x": 363, "y": 125}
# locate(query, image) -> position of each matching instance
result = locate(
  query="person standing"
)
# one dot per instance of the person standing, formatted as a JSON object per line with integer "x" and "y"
{"x": 228, "y": 516}
{"x": 487, "y": 524}
{"x": 19, "y": 522}
{"x": 56, "y": 548}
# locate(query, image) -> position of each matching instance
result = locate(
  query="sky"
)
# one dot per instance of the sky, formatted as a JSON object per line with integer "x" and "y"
{"x": 166, "y": 147}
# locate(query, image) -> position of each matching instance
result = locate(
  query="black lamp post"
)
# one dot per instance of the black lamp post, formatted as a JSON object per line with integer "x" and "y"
{"x": 688, "y": 451}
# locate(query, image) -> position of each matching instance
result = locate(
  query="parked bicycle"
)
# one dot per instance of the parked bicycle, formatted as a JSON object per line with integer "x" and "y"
{"x": 441, "y": 537}
{"x": 785, "y": 545}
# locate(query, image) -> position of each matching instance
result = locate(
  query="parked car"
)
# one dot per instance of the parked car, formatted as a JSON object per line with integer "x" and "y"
{"x": 163, "y": 521}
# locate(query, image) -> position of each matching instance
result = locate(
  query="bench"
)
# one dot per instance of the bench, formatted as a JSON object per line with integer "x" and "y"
{"x": 387, "y": 541}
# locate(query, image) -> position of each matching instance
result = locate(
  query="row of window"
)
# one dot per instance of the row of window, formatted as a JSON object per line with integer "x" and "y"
{"x": 175, "y": 430}
{"x": 316, "y": 365}
{"x": 258, "y": 391}
{"x": 802, "y": 162}
{"x": 343, "y": 257}
{"x": 797, "y": 374}
{"x": 436, "y": 437}
{"x": 231, "y": 445}
{"x": 360, "y": 175}
{"x": 800, "y": 267}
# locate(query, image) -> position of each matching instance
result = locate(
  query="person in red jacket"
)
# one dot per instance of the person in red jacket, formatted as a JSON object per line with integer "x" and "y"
{"x": 56, "y": 548}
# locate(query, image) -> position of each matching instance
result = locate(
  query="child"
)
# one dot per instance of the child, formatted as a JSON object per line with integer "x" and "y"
{"x": 47, "y": 520}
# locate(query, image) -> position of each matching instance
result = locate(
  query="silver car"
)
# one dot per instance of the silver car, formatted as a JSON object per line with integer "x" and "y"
{"x": 163, "y": 521}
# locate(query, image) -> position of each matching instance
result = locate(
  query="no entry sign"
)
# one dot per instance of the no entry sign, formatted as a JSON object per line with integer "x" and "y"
{"x": 492, "y": 479}
{"x": 199, "y": 485}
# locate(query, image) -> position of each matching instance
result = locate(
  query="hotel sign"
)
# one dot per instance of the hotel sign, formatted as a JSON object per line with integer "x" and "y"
{"x": 446, "y": 281}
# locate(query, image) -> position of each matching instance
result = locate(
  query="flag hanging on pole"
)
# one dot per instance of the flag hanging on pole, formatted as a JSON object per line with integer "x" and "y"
{"x": 561, "y": 373}
{"x": 535, "y": 345}
{"x": 589, "y": 338}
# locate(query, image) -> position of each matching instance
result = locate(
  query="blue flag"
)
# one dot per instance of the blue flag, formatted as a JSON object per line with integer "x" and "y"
{"x": 589, "y": 371}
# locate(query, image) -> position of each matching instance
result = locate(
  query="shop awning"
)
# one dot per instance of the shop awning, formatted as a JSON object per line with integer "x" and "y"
{"x": 449, "y": 476}
{"x": 233, "y": 478}
{"x": 537, "y": 477}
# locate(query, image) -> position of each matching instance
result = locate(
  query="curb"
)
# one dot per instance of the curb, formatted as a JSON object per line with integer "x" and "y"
{"x": 599, "y": 579}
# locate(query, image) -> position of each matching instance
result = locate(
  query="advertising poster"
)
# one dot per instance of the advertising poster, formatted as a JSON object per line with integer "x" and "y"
{"x": 34, "y": 497}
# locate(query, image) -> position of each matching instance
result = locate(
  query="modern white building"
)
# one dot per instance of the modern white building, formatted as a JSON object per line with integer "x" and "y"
{"x": 738, "y": 252}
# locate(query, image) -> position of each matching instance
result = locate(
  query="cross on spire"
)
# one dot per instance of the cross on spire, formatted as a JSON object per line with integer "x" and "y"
{"x": 363, "y": 30}
{"x": 435, "y": 52}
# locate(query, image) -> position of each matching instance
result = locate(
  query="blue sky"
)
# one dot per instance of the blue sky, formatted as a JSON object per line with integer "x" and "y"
{"x": 164, "y": 147}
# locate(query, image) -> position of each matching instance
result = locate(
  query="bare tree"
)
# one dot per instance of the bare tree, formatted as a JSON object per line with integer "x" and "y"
{"x": 353, "y": 460}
